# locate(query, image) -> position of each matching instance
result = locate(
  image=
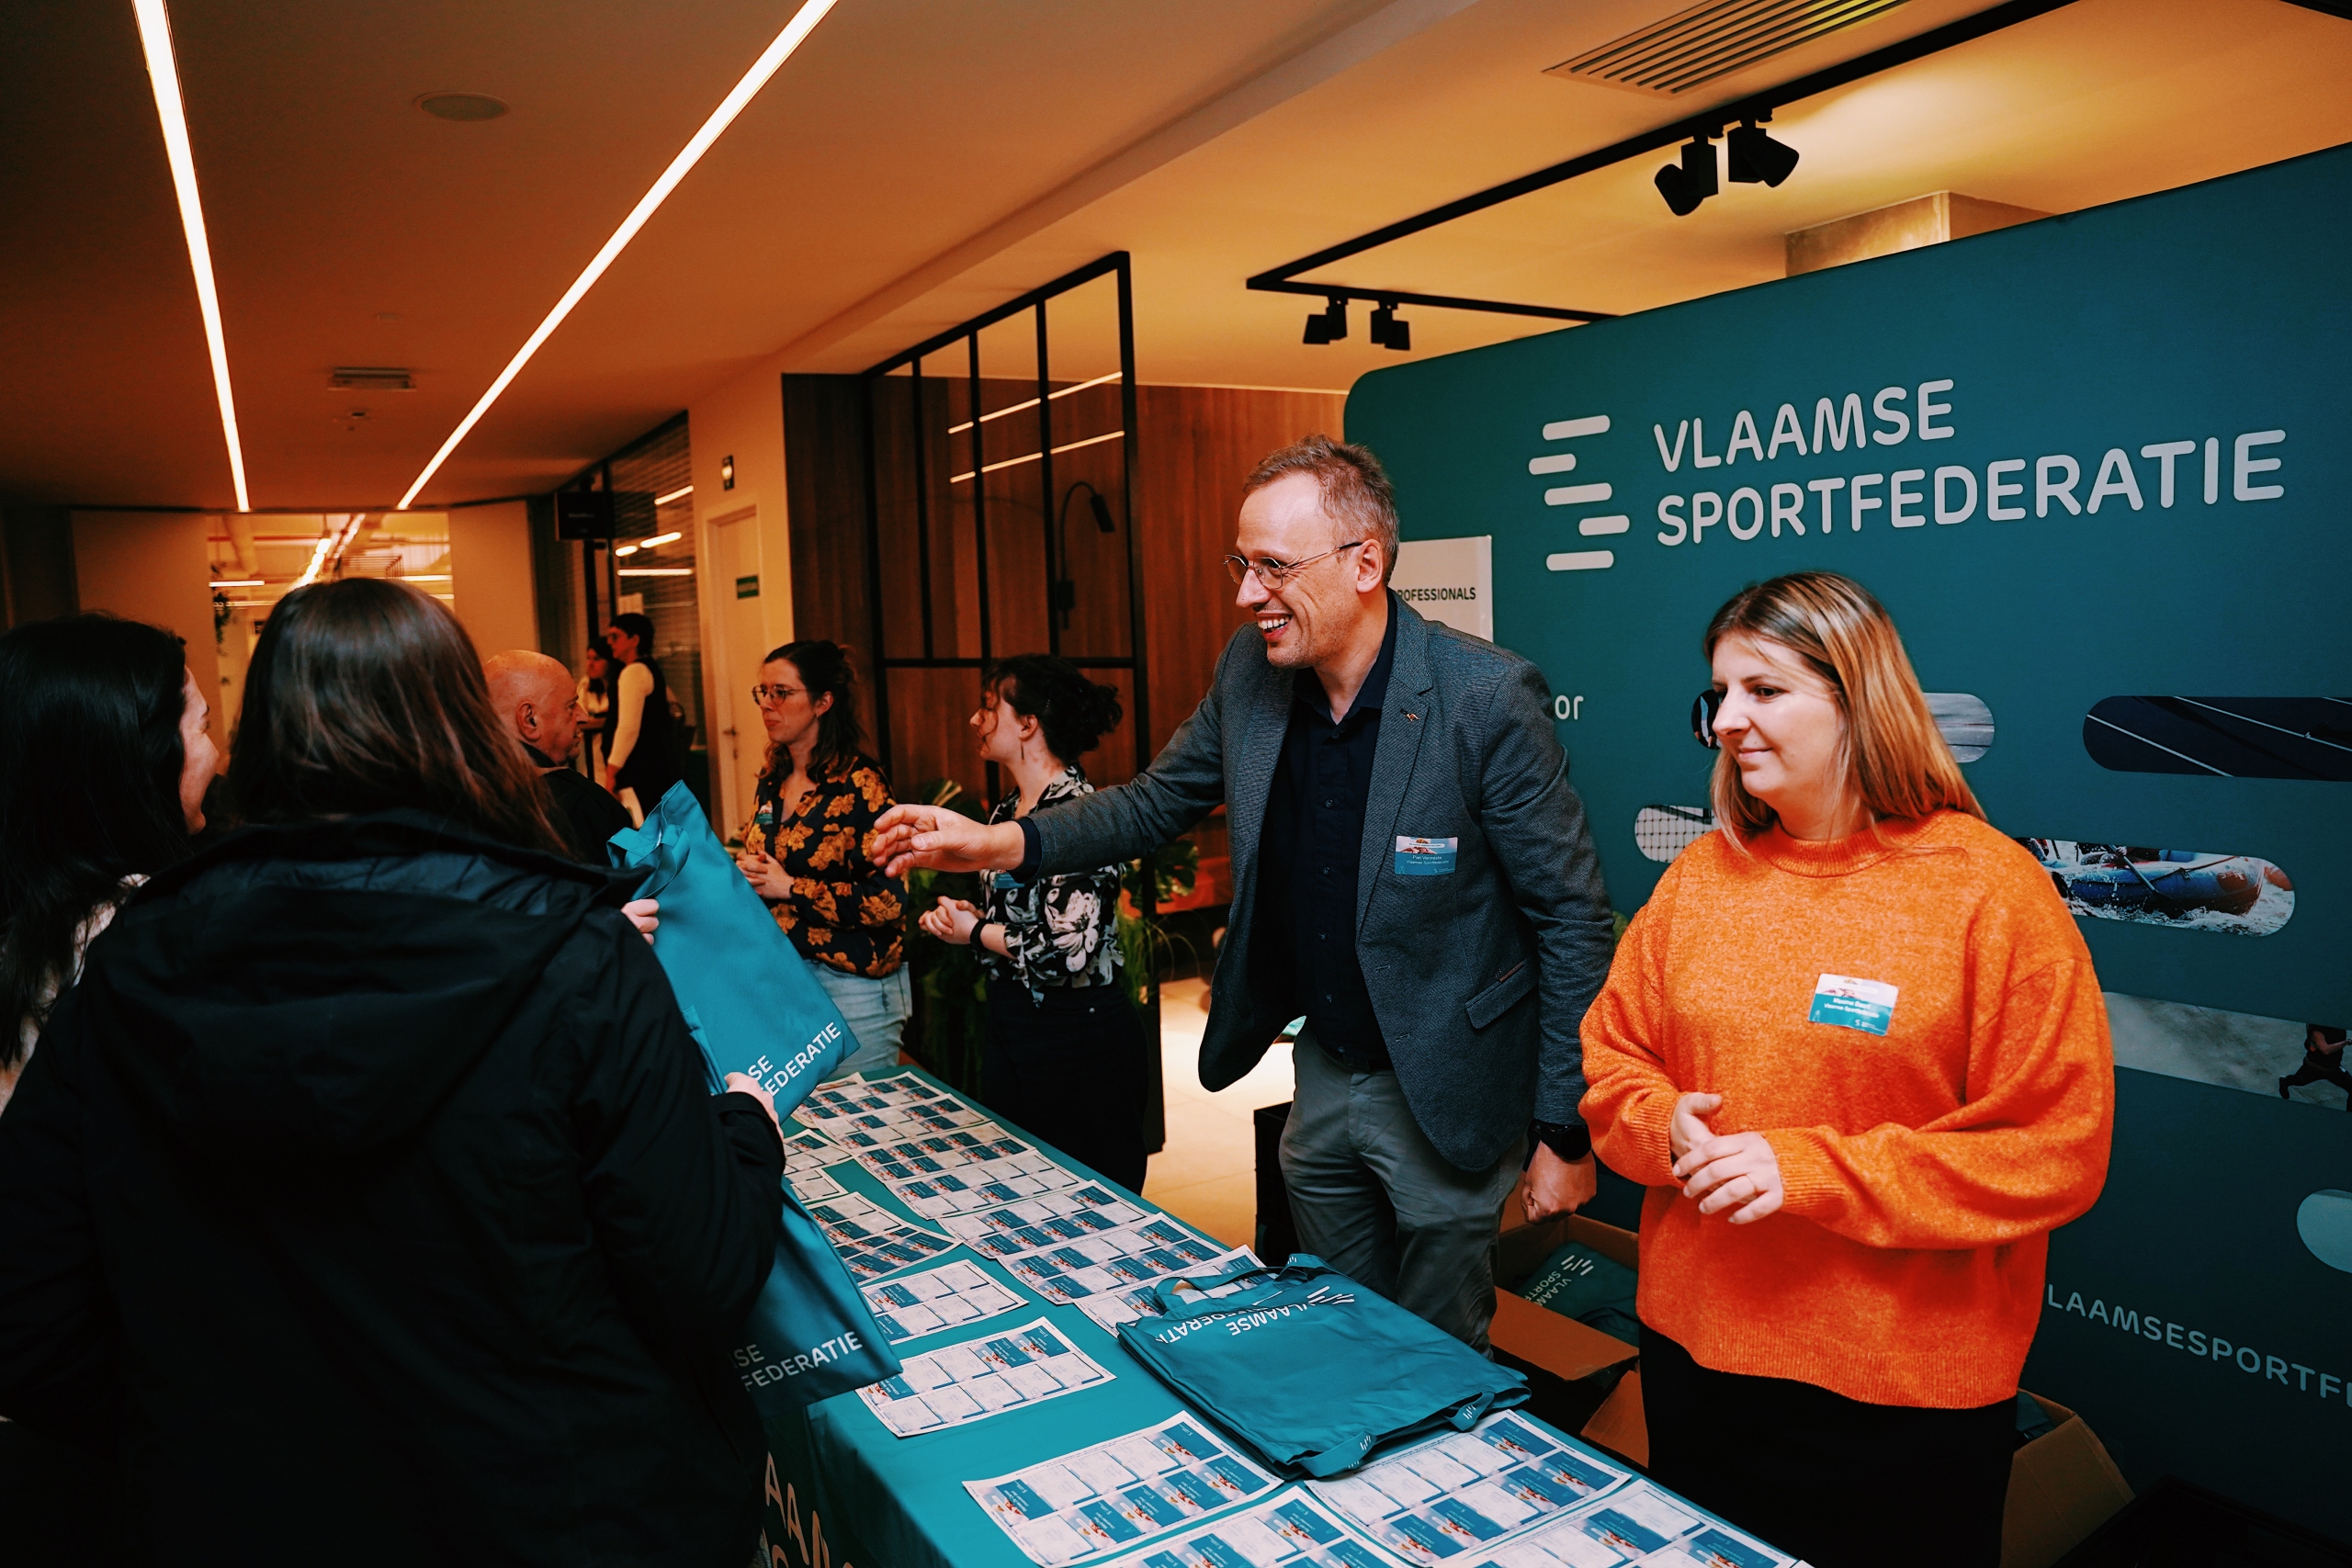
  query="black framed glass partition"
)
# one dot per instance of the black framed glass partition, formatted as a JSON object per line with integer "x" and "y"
{"x": 1000, "y": 519}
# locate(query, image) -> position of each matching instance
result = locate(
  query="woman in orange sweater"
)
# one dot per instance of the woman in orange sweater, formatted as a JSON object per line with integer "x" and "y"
{"x": 1854, "y": 1047}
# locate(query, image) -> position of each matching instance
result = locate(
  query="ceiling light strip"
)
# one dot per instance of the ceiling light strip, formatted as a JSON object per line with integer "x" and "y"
{"x": 673, "y": 495}
{"x": 770, "y": 62}
{"x": 1000, "y": 414}
{"x": 1032, "y": 457}
{"x": 164, "y": 74}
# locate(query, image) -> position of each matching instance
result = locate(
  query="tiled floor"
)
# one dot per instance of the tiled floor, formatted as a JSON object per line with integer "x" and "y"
{"x": 1207, "y": 1174}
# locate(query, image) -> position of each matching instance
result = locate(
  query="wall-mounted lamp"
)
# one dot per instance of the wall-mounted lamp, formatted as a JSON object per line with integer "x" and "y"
{"x": 727, "y": 472}
{"x": 1063, "y": 596}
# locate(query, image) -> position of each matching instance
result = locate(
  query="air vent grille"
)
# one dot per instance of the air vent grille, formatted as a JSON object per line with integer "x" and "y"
{"x": 370, "y": 378}
{"x": 1712, "y": 41}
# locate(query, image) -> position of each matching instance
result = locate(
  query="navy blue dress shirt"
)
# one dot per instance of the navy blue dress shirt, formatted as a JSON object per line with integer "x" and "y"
{"x": 1308, "y": 858}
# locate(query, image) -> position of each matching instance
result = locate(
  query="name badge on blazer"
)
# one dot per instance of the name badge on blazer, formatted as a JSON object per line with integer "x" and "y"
{"x": 1425, "y": 857}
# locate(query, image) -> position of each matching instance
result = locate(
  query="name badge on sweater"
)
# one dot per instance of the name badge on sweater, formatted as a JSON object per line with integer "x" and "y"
{"x": 1849, "y": 1003}
{"x": 1425, "y": 857}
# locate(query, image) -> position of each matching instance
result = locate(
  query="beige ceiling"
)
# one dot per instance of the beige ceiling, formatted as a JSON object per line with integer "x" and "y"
{"x": 921, "y": 160}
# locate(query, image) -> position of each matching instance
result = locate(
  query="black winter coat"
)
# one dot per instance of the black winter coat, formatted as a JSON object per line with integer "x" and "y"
{"x": 368, "y": 1194}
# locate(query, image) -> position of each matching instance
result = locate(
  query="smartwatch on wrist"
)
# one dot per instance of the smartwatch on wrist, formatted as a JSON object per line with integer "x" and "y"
{"x": 1572, "y": 1141}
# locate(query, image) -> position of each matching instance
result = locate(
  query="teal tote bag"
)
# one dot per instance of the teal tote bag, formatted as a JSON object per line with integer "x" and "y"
{"x": 1311, "y": 1370}
{"x": 745, "y": 990}
{"x": 754, "y": 1009}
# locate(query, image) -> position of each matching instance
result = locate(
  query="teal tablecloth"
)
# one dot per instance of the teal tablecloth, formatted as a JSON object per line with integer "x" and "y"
{"x": 846, "y": 1492}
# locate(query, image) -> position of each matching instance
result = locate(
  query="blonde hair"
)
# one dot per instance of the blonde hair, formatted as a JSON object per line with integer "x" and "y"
{"x": 1896, "y": 762}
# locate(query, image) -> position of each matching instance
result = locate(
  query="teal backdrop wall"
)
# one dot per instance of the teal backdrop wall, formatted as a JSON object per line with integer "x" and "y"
{"x": 2163, "y": 383}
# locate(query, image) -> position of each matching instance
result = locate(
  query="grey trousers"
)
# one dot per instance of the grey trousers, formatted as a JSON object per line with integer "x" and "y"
{"x": 1372, "y": 1198}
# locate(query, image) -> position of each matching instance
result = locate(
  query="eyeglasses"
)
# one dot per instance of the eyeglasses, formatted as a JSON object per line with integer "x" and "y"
{"x": 1276, "y": 574}
{"x": 776, "y": 694}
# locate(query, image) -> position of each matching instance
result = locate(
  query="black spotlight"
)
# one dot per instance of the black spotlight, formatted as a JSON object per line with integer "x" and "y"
{"x": 1691, "y": 182}
{"x": 1101, "y": 510}
{"x": 1328, "y": 324}
{"x": 1388, "y": 331}
{"x": 1756, "y": 158}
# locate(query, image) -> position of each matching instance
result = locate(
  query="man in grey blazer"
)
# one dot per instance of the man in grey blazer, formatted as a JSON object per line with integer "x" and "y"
{"x": 1411, "y": 871}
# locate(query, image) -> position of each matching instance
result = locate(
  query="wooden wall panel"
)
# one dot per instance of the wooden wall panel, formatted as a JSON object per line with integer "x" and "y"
{"x": 1199, "y": 444}
{"x": 825, "y": 480}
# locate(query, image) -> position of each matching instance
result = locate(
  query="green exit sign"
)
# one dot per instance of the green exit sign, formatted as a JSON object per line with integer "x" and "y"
{"x": 747, "y": 587}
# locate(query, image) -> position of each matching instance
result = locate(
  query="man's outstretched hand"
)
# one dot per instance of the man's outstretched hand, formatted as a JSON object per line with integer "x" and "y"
{"x": 932, "y": 836}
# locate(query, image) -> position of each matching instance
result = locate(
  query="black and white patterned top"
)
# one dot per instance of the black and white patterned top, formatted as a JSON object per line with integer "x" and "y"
{"x": 1061, "y": 932}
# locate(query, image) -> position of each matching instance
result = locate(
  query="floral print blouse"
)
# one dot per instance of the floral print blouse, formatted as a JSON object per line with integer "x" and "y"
{"x": 1060, "y": 932}
{"x": 843, "y": 913}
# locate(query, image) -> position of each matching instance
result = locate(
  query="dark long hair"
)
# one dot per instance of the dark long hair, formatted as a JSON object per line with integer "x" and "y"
{"x": 367, "y": 695}
{"x": 90, "y": 763}
{"x": 825, "y": 670}
{"x": 639, "y": 627}
{"x": 1073, "y": 711}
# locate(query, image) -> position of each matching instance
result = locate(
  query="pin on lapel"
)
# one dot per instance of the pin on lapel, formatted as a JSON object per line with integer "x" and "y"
{"x": 1412, "y": 716}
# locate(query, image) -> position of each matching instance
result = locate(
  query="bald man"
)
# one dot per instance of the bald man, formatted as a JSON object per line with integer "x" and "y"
{"x": 535, "y": 698}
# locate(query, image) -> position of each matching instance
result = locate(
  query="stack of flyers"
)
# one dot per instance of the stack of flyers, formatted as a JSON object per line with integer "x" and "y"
{"x": 1121, "y": 1258}
{"x": 1112, "y": 1308}
{"x": 1627, "y": 1525}
{"x": 966, "y": 1381}
{"x": 806, "y": 1154}
{"x": 1289, "y": 1529}
{"x": 1048, "y": 1221}
{"x": 947, "y": 1297}
{"x": 872, "y": 1242}
{"x": 1718, "y": 1545}
{"x": 1464, "y": 1490}
{"x": 956, "y": 1173}
{"x": 1113, "y": 1496}
{"x": 864, "y": 1115}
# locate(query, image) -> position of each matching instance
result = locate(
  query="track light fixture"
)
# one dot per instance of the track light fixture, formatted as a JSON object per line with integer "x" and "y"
{"x": 1331, "y": 323}
{"x": 1388, "y": 331}
{"x": 1691, "y": 182}
{"x": 1754, "y": 158}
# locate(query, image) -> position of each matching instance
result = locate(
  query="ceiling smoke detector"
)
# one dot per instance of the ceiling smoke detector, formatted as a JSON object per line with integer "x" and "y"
{"x": 462, "y": 106}
{"x": 370, "y": 378}
{"x": 1712, "y": 41}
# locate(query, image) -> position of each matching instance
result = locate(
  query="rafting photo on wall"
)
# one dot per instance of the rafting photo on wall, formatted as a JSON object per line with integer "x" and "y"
{"x": 2237, "y": 895}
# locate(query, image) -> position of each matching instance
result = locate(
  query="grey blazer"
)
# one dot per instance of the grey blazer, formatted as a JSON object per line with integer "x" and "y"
{"x": 1480, "y": 978}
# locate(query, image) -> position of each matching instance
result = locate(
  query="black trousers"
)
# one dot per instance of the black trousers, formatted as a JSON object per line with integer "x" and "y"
{"x": 1074, "y": 1071}
{"x": 1835, "y": 1481}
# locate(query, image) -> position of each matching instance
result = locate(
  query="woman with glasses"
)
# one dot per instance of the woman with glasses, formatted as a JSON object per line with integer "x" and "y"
{"x": 1854, "y": 1047}
{"x": 1066, "y": 1058}
{"x": 805, "y": 848}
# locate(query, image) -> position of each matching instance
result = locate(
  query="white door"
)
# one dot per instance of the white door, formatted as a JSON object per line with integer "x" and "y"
{"x": 742, "y": 632}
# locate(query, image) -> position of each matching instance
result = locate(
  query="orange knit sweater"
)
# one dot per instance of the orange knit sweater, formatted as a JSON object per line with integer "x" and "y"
{"x": 1925, "y": 1167}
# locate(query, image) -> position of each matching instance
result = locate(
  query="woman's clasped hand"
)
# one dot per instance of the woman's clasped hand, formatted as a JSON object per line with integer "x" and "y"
{"x": 1737, "y": 1171}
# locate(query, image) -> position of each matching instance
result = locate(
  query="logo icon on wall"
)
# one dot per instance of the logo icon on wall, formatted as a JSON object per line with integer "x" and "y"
{"x": 1591, "y": 493}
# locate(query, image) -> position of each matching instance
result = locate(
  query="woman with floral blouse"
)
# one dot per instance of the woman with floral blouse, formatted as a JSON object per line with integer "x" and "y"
{"x": 1065, "y": 1055}
{"x": 804, "y": 850}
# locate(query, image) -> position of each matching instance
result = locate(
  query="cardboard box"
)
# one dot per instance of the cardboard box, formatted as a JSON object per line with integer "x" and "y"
{"x": 1566, "y": 1362}
{"x": 2062, "y": 1485}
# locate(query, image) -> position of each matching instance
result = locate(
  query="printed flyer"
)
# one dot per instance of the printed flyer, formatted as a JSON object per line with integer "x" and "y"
{"x": 1120, "y": 1493}
{"x": 1465, "y": 1491}
{"x": 938, "y": 1299}
{"x": 976, "y": 1378}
